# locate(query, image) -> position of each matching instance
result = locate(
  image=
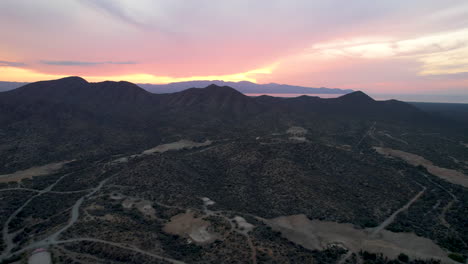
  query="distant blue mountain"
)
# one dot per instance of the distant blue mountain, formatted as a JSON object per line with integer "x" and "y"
{"x": 6, "y": 86}
{"x": 243, "y": 87}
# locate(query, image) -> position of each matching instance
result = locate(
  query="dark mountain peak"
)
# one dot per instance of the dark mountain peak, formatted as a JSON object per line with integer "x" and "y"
{"x": 121, "y": 86}
{"x": 218, "y": 87}
{"x": 71, "y": 79}
{"x": 211, "y": 92}
{"x": 121, "y": 92}
{"x": 214, "y": 90}
{"x": 64, "y": 83}
{"x": 212, "y": 100}
{"x": 358, "y": 97}
{"x": 53, "y": 90}
{"x": 77, "y": 91}
{"x": 213, "y": 86}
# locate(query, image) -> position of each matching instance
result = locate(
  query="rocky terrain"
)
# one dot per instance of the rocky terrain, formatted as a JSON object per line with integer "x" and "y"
{"x": 109, "y": 173}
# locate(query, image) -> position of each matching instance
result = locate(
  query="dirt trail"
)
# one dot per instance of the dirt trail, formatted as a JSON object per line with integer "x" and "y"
{"x": 7, "y": 236}
{"x": 368, "y": 132}
{"x": 394, "y": 138}
{"x": 123, "y": 246}
{"x": 391, "y": 218}
{"x": 53, "y": 239}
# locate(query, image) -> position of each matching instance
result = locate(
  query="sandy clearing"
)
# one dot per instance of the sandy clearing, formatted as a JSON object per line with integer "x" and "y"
{"x": 244, "y": 226}
{"x": 297, "y": 131}
{"x": 181, "y": 144}
{"x": 40, "y": 257}
{"x": 450, "y": 175}
{"x": 207, "y": 201}
{"x": 143, "y": 206}
{"x": 121, "y": 160}
{"x": 178, "y": 145}
{"x": 298, "y": 139}
{"x": 317, "y": 235}
{"x": 33, "y": 171}
{"x": 195, "y": 229}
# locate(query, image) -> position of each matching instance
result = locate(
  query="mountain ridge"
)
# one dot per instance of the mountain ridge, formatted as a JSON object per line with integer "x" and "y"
{"x": 242, "y": 86}
{"x": 76, "y": 90}
{"x": 102, "y": 96}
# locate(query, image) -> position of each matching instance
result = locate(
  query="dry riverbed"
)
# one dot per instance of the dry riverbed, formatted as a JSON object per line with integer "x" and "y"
{"x": 317, "y": 235}
{"x": 450, "y": 175}
{"x": 178, "y": 145}
{"x": 33, "y": 171}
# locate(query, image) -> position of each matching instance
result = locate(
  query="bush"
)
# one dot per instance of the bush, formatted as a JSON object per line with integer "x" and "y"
{"x": 403, "y": 257}
{"x": 457, "y": 257}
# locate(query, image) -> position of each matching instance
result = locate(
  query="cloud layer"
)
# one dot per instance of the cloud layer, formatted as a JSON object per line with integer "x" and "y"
{"x": 387, "y": 46}
{"x": 85, "y": 63}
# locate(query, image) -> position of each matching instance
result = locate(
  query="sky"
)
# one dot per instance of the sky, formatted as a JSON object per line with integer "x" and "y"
{"x": 387, "y": 46}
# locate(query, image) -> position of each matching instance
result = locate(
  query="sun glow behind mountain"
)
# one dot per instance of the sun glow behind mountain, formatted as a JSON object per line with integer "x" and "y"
{"x": 12, "y": 74}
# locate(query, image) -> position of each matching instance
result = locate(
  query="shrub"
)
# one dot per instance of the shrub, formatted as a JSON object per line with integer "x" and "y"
{"x": 403, "y": 257}
{"x": 457, "y": 257}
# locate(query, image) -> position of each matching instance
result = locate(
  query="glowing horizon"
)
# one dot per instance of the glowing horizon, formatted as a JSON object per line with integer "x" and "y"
{"x": 13, "y": 74}
{"x": 385, "y": 47}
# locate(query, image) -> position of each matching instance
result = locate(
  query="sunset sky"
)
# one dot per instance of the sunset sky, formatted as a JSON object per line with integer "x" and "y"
{"x": 387, "y": 46}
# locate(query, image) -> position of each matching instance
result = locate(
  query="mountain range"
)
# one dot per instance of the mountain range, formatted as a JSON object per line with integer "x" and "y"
{"x": 242, "y": 86}
{"x": 69, "y": 108}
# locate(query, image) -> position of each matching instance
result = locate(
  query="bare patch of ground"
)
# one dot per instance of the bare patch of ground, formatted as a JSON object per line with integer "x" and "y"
{"x": 32, "y": 172}
{"x": 178, "y": 145}
{"x": 296, "y": 131}
{"x": 195, "y": 229}
{"x": 317, "y": 235}
{"x": 121, "y": 160}
{"x": 181, "y": 144}
{"x": 243, "y": 225}
{"x": 207, "y": 201}
{"x": 145, "y": 207}
{"x": 40, "y": 256}
{"x": 298, "y": 139}
{"x": 450, "y": 175}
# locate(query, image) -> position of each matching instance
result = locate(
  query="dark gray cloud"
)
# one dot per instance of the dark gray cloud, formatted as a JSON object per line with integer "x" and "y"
{"x": 84, "y": 63}
{"x": 11, "y": 64}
